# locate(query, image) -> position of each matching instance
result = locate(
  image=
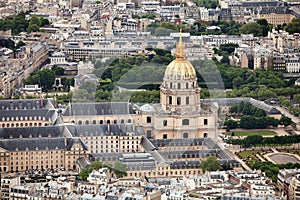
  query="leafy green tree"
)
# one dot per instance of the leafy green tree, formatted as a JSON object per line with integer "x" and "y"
{"x": 8, "y": 43}
{"x": 253, "y": 28}
{"x": 44, "y": 22}
{"x": 35, "y": 20}
{"x": 20, "y": 44}
{"x": 231, "y": 124}
{"x": 96, "y": 165}
{"x": 33, "y": 79}
{"x": 285, "y": 121}
{"x": 265, "y": 26}
{"x": 90, "y": 87}
{"x": 33, "y": 28}
{"x": 82, "y": 95}
{"x": 47, "y": 78}
{"x": 207, "y": 3}
{"x": 119, "y": 169}
{"x": 84, "y": 174}
{"x": 58, "y": 71}
{"x": 211, "y": 163}
{"x": 160, "y": 31}
{"x": 293, "y": 26}
{"x": 225, "y": 59}
{"x": 297, "y": 98}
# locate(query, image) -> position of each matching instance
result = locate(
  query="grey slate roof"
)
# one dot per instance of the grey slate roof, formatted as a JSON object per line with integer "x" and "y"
{"x": 109, "y": 108}
{"x": 12, "y": 114}
{"x": 28, "y": 104}
{"x": 187, "y": 153}
{"x": 32, "y": 132}
{"x": 177, "y": 142}
{"x": 105, "y": 129}
{"x": 31, "y": 144}
{"x": 185, "y": 164}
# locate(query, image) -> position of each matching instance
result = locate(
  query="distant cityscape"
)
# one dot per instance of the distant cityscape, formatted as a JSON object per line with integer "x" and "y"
{"x": 149, "y": 100}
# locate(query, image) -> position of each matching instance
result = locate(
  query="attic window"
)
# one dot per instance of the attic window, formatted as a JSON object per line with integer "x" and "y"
{"x": 11, "y": 136}
{"x": 30, "y": 136}
{"x": 21, "y": 136}
{"x": 17, "y": 149}
{"x": 49, "y": 135}
{"x": 40, "y": 135}
{"x": 37, "y": 148}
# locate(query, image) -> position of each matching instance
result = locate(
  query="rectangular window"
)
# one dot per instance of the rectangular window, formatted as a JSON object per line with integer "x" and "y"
{"x": 170, "y": 100}
{"x": 205, "y": 121}
{"x": 178, "y": 101}
{"x": 165, "y": 122}
{"x": 165, "y": 136}
{"x": 148, "y": 119}
{"x": 187, "y": 100}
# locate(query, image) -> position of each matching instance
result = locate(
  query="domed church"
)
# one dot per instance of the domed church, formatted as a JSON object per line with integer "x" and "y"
{"x": 180, "y": 113}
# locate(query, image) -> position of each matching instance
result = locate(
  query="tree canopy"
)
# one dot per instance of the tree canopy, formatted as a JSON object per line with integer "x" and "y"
{"x": 19, "y": 23}
{"x": 258, "y": 140}
{"x": 258, "y": 28}
{"x": 293, "y": 26}
{"x": 211, "y": 163}
{"x": 44, "y": 78}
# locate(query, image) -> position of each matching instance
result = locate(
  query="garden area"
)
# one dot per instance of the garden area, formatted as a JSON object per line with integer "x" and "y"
{"x": 250, "y": 157}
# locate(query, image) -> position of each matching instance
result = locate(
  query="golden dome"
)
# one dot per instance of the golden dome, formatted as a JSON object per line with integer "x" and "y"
{"x": 180, "y": 68}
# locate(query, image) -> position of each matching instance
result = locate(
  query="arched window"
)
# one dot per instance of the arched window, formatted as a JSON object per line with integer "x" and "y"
{"x": 80, "y": 122}
{"x": 94, "y": 122}
{"x": 185, "y": 135}
{"x": 115, "y": 121}
{"x": 101, "y": 121}
{"x": 122, "y": 121}
{"x": 108, "y": 121}
{"x": 185, "y": 122}
{"x": 129, "y": 121}
{"x": 87, "y": 122}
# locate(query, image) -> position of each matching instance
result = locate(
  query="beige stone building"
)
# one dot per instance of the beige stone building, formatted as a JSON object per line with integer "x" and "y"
{"x": 39, "y": 148}
{"x": 110, "y": 138}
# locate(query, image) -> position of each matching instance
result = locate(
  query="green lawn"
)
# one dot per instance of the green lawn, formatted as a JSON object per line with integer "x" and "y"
{"x": 251, "y": 153}
{"x": 247, "y": 133}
